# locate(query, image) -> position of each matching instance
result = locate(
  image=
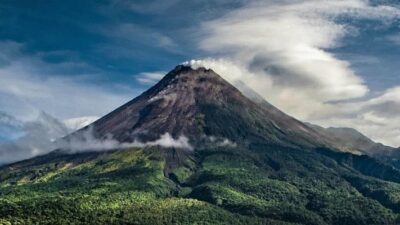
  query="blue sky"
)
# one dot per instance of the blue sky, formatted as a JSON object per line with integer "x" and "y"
{"x": 118, "y": 39}
{"x": 334, "y": 63}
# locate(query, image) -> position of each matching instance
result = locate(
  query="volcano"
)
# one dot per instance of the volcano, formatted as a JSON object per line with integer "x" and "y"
{"x": 197, "y": 103}
{"x": 248, "y": 163}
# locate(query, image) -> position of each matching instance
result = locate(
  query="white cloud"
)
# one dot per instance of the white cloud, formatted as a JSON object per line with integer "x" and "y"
{"x": 36, "y": 137}
{"x": 79, "y": 122}
{"x": 27, "y": 87}
{"x": 281, "y": 50}
{"x": 377, "y": 117}
{"x": 149, "y": 78}
{"x": 221, "y": 142}
{"x": 86, "y": 141}
{"x": 166, "y": 140}
{"x": 45, "y": 134}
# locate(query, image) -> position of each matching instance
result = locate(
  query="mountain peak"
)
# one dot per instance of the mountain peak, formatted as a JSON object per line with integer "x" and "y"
{"x": 171, "y": 106}
{"x": 184, "y": 76}
{"x": 187, "y": 72}
{"x": 195, "y": 102}
{"x": 182, "y": 68}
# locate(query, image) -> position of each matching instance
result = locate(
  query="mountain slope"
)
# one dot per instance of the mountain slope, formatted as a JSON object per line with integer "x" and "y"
{"x": 351, "y": 140}
{"x": 249, "y": 164}
{"x": 199, "y": 102}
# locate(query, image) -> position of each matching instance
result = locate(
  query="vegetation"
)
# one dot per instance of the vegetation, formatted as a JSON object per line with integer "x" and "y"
{"x": 223, "y": 185}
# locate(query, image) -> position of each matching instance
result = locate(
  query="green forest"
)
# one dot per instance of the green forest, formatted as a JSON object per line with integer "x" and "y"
{"x": 222, "y": 185}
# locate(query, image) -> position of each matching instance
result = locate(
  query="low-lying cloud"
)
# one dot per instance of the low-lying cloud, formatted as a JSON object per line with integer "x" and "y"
{"x": 86, "y": 141}
{"x": 24, "y": 140}
{"x": 221, "y": 142}
{"x": 29, "y": 139}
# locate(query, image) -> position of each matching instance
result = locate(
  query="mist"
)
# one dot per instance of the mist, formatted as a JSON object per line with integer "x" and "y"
{"x": 23, "y": 140}
{"x": 86, "y": 141}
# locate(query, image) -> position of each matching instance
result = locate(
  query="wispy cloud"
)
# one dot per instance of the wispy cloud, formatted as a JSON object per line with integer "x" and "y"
{"x": 27, "y": 86}
{"x": 86, "y": 141}
{"x": 147, "y": 7}
{"x": 394, "y": 38}
{"x": 130, "y": 40}
{"x": 150, "y": 77}
{"x": 35, "y": 137}
{"x": 282, "y": 50}
{"x": 378, "y": 117}
{"x": 10, "y": 128}
{"x": 45, "y": 134}
{"x": 79, "y": 122}
{"x": 134, "y": 33}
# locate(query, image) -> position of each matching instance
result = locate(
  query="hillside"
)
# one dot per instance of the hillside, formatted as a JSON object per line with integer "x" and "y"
{"x": 248, "y": 163}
